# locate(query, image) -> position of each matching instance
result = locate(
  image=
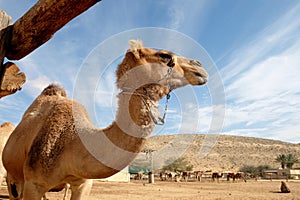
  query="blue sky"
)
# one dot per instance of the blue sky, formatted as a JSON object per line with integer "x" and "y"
{"x": 254, "y": 45}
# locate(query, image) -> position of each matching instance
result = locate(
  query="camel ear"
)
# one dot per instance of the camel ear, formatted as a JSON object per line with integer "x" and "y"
{"x": 134, "y": 46}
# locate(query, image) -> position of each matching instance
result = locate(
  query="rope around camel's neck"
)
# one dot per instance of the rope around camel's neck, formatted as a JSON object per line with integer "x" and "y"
{"x": 134, "y": 115}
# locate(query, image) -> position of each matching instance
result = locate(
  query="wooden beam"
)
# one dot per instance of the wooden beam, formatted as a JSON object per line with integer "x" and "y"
{"x": 12, "y": 81}
{"x": 29, "y": 32}
{"x": 39, "y": 24}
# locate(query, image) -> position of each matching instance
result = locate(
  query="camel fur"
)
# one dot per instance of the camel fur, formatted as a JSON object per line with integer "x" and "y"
{"x": 5, "y": 130}
{"x": 56, "y": 142}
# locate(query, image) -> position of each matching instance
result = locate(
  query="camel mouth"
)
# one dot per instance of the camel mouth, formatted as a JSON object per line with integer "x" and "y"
{"x": 204, "y": 80}
{"x": 194, "y": 72}
{"x": 200, "y": 81}
{"x": 199, "y": 76}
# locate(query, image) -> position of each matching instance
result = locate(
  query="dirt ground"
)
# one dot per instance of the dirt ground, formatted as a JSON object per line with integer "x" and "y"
{"x": 208, "y": 190}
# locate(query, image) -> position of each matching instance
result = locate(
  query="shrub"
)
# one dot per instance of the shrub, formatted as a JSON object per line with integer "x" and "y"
{"x": 181, "y": 164}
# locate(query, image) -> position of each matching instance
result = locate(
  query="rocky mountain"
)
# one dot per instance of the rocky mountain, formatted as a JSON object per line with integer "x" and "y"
{"x": 215, "y": 152}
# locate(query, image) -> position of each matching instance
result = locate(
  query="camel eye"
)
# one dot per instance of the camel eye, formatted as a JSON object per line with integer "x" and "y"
{"x": 165, "y": 57}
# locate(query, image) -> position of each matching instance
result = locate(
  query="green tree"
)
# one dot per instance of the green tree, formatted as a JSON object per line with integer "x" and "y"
{"x": 250, "y": 169}
{"x": 291, "y": 160}
{"x": 254, "y": 171}
{"x": 286, "y": 160}
{"x": 282, "y": 160}
{"x": 181, "y": 164}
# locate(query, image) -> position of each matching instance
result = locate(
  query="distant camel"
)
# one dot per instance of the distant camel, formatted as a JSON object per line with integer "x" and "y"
{"x": 236, "y": 176}
{"x": 5, "y": 130}
{"x": 216, "y": 175}
{"x": 168, "y": 176}
{"x": 186, "y": 175}
{"x": 198, "y": 175}
{"x": 240, "y": 176}
{"x": 139, "y": 175}
{"x": 51, "y": 140}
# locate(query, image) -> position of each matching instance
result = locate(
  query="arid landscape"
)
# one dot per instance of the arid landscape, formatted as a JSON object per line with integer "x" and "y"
{"x": 207, "y": 190}
{"x": 123, "y": 61}
{"x": 227, "y": 153}
{"x": 224, "y": 152}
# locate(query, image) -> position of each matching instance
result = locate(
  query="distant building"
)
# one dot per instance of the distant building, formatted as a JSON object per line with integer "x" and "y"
{"x": 282, "y": 173}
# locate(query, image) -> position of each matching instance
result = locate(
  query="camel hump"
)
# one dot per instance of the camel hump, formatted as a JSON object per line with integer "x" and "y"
{"x": 6, "y": 124}
{"x": 54, "y": 89}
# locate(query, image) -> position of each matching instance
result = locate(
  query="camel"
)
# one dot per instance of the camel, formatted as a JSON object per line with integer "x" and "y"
{"x": 169, "y": 176}
{"x": 5, "y": 130}
{"x": 239, "y": 176}
{"x": 236, "y": 176}
{"x": 57, "y": 143}
{"x": 186, "y": 175}
{"x": 216, "y": 175}
{"x": 198, "y": 175}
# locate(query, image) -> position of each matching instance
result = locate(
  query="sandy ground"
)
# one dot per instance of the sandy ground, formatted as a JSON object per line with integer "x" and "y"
{"x": 138, "y": 190}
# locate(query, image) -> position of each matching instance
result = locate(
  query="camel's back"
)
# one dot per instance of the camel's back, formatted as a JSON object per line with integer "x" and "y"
{"x": 56, "y": 133}
{"x": 48, "y": 97}
{"x": 39, "y": 123}
{"x": 57, "y": 129}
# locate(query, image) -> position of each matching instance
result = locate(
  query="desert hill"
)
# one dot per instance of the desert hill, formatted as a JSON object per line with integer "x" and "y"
{"x": 216, "y": 152}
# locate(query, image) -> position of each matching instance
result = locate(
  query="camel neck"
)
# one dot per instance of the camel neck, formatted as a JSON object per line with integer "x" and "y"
{"x": 133, "y": 124}
{"x": 135, "y": 114}
{"x": 125, "y": 137}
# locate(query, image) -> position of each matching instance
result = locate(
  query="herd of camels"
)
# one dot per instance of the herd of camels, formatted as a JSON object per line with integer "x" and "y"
{"x": 56, "y": 143}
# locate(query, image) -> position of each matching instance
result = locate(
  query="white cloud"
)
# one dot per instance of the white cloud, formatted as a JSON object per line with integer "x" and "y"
{"x": 269, "y": 78}
{"x": 275, "y": 38}
{"x": 267, "y": 91}
{"x": 35, "y": 86}
{"x": 262, "y": 83}
{"x": 189, "y": 15}
{"x": 177, "y": 17}
{"x": 36, "y": 80}
{"x": 251, "y": 132}
{"x": 290, "y": 133}
{"x": 195, "y": 119}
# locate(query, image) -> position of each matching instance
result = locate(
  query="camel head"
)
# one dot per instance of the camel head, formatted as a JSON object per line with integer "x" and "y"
{"x": 146, "y": 67}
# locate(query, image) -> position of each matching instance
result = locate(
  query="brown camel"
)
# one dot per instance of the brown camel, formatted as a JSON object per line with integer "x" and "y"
{"x": 236, "y": 176}
{"x": 5, "y": 130}
{"x": 216, "y": 175}
{"x": 56, "y": 142}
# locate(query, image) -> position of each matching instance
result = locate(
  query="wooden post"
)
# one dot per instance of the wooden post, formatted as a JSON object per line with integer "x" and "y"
{"x": 151, "y": 177}
{"x": 11, "y": 79}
